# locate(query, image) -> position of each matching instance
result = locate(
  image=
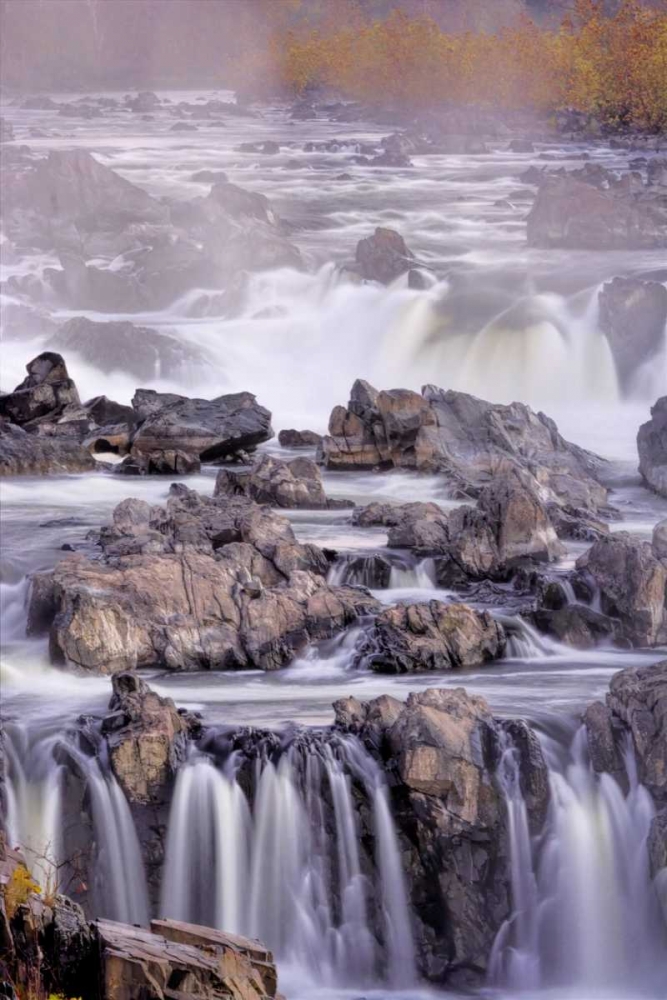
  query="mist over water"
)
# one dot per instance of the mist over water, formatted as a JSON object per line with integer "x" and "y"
{"x": 496, "y": 320}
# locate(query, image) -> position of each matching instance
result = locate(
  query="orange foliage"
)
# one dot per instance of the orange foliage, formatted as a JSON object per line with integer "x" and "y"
{"x": 613, "y": 67}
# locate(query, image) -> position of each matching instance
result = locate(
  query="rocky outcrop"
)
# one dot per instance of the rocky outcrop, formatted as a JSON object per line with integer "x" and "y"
{"x": 652, "y": 447}
{"x": 207, "y": 583}
{"x": 383, "y": 256}
{"x": 633, "y": 314}
{"x": 467, "y": 439}
{"x": 433, "y": 636}
{"x": 280, "y": 484}
{"x": 51, "y": 949}
{"x": 209, "y": 429}
{"x": 123, "y": 346}
{"x": 571, "y": 213}
{"x": 638, "y": 698}
{"x": 146, "y": 738}
{"x": 44, "y": 395}
{"x": 443, "y": 747}
{"x": 630, "y": 583}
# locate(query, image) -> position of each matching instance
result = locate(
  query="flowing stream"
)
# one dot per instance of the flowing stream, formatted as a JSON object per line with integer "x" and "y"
{"x": 502, "y": 321}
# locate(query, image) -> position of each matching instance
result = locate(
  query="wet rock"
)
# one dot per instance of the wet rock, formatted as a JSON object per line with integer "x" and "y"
{"x": 45, "y": 393}
{"x": 299, "y": 439}
{"x": 179, "y": 588}
{"x": 520, "y": 519}
{"x": 656, "y": 171}
{"x": 183, "y": 127}
{"x": 145, "y": 101}
{"x": 659, "y": 540}
{"x": 633, "y": 314}
{"x": 657, "y": 845}
{"x": 383, "y": 256}
{"x": 281, "y": 484}
{"x": 209, "y": 177}
{"x": 268, "y": 147}
{"x": 573, "y": 214}
{"x": 146, "y": 738}
{"x": 631, "y": 583}
{"x": 431, "y": 636}
{"x": 165, "y": 462}
{"x": 575, "y": 625}
{"x": 638, "y": 698}
{"x": 123, "y": 346}
{"x": 652, "y": 447}
{"x": 83, "y": 286}
{"x": 23, "y": 454}
{"x": 467, "y": 439}
{"x": 603, "y": 746}
{"x": 521, "y": 146}
{"x": 208, "y": 429}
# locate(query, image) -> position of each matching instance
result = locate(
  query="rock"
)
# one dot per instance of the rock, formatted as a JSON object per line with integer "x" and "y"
{"x": 467, "y": 439}
{"x": 168, "y": 462}
{"x": 23, "y": 454}
{"x": 521, "y": 146}
{"x": 209, "y": 429}
{"x": 573, "y": 214}
{"x": 299, "y": 439}
{"x": 383, "y": 256}
{"x": 43, "y": 395}
{"x": 603, "y": 747}
{"x": 652, "y": 447}
{"x": 145, "y": 101}
{"x": 183, "y": 127}
{"x": 519, "y": 519}
{"x": 638, "y": 698}
{"x": 633, "y": 314}
{"x": 122, "y": 346}
{"x": 659, "y": 540}
{"x": 656, "y": 171}
{"x": 268, "y": 147}
{"x": 280, "y": 484}
{"x": 631, "y": 583}
{"x": 575, "y": 625}
{"x": 431, "y": 636}
{"x": 209, "y": 177}
{"x": 178, "y": 588}
{"x": 146, "y": 738}
{"x": 83, "y": 286}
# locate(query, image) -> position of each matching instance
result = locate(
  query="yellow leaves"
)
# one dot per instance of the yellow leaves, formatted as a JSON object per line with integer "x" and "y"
{"x": 615, "y": 67}
{"x": 20, "y": 886}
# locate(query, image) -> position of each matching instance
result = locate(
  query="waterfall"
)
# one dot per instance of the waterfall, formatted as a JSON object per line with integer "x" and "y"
{"x": 108, "y": 856}
{"x": 418, "y": 577}
{"x": 288, "y": 864}
{"x": 586, "y": 914}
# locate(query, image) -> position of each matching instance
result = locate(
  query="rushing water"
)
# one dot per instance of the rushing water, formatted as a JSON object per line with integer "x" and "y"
{"x": 499, "y": 320}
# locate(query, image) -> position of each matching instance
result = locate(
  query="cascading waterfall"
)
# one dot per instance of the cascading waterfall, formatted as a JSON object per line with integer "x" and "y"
{"x": 288, "y": 866}
{"x": 36, "y": 821}
{"x": 418, "y": 577}
{"x": 586, "y": 913}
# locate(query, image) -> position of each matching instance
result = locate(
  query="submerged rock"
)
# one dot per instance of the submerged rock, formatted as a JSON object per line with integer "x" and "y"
{"x": 383, "y": 256}
{"x": 652, "y": 447}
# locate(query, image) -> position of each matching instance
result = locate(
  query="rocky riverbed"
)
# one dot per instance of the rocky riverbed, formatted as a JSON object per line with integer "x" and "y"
{"x": 334, "y": 569}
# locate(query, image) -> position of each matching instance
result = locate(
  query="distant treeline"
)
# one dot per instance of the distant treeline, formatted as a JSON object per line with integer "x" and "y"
{"x": 607, "y": 57}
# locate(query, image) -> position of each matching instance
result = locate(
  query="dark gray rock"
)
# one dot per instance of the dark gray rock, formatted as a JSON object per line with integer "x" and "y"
{"x": 383, "y": 256}
{"x": 633, "y": 314}
{"x": 652, "y": 447}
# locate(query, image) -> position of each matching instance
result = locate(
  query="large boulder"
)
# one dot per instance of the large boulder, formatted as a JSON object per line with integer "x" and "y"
{"x": 146, "y": 738}
{"x": 44, "y": 394}
{"x": 633, "y": 314}
{"x": 207, "y": 583}
{"x": 299, "y": 439}
{"x": 431, "y": 636}
{"x": 383, "y": 256}
{"x": 652, "y": 447}
{"x": 572, "y": 213}
{"x": 210, "y": 429}
{"x": 23, "y": 454}
{"x": 630, "y": 582}
{"x": 519, "y": 519}
{"x": 123, "y": 346}
{"x": 467, "y": 439}
{"x": 280, "y": 484}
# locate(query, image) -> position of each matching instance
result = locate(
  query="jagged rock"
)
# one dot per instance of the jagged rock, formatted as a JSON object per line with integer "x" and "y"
{"x": 146, "y": 738}
{"x": 383, "y": 256}
{"x": 519, "y": 519}
{"x": 659, "y": 540}
{"x": 572, "y": 213}
{"x": 23, "y": 454}
{"x": 633, "y": 314}
{"x": 43, "y": 395}
{"x": 652, "y": 447}
{"x": 209, "y": 429}
{"x": 83, "y": 286}
{"x": 432, "y": 636}
{"x": 603, "y": 747}
{"x": 208, "y": 583}
{"x": 631, "y": 583}
{"x": 638, "y": 698}
{"x": 575, "y": 625}
{"x": 123, "y": 346}
{"x": 299, "y": 439}
{"x": 467, "y": 439}
{"x": 281, "y": 484}
{"x": 145, "y": 100}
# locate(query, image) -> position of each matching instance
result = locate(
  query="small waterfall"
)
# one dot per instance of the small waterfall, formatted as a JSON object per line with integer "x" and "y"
{"x": 107, "y": 856}
{"x": 418, "y": 577}
{"x": 586, "y": 914}
{"x": 524, "y": 642}
{"x": 383, "y": 572}
{"x": 287, "y": 864}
